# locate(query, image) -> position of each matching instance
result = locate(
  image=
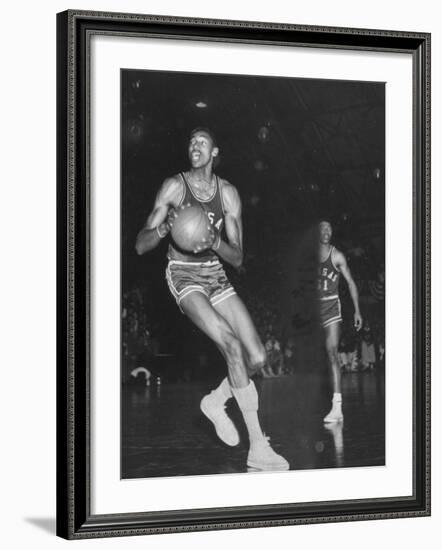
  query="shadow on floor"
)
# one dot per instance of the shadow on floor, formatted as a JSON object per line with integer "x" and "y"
{"x": 46, "y": 524}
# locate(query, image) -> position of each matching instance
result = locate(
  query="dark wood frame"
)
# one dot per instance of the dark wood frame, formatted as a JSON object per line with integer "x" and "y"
{"x": 74, "y": 519}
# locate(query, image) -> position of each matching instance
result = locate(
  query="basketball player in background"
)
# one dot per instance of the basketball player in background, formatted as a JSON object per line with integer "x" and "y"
{"x": 202, "y": 291}
{"x": 332, "y": 264}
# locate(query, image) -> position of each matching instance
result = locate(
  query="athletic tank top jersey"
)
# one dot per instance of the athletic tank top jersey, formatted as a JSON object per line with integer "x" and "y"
{"x": 215, "y": 210}
{"x": 328, "y": 279}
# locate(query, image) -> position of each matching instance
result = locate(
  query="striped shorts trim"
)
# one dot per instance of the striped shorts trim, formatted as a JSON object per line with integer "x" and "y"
{"x": 330, "y": 312}
{"x": 209, "y": 278}
{"x": 326, "y": 298}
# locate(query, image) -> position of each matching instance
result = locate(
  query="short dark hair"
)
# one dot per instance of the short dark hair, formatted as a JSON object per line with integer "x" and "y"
{"x": 206, "y": 131}
{"x": 324, "y": 220}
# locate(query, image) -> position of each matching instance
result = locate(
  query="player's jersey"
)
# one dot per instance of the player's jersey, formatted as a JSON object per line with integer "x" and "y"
{"x": 215, "y": 210}
{"x": 328, "y": 278}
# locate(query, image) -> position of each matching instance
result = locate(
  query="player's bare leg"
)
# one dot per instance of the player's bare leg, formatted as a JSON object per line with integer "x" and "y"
{"x": 332, "y": 333}
{"x": 235, "y": 313}
{"x": 199, "y": 310}
{"x": 238, "y": 317}
{"x": 261, "y": 455}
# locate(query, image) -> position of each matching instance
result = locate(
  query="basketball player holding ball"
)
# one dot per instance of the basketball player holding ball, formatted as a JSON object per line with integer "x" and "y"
{"x": 198, "y": 283}
{"x": 332, "y": 264}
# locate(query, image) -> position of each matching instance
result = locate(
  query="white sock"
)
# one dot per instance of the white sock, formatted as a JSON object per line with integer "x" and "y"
{"x": 247, "y": 399}
{"x": 337, "y": 401}
{"x": 223, "y": 392}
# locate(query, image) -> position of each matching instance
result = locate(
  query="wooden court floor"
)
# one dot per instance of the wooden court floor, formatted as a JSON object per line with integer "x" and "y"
{"x": 165, "y": 434}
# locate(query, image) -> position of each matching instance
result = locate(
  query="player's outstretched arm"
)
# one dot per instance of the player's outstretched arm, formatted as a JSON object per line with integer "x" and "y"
{"x": 341, "y": 264}
{"x": 231, "y": 251}
{"x": 160, "y": 220}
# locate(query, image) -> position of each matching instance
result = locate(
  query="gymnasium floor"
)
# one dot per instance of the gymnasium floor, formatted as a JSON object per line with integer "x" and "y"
{"x": 165, "y": 434}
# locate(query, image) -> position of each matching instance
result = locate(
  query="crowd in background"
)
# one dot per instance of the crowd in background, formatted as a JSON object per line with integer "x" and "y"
{"x": 139, "y": 343}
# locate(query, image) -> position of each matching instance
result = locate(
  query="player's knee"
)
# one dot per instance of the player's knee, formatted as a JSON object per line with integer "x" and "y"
{"x": 258, "y": 358}
{"x": 231, "y": 346}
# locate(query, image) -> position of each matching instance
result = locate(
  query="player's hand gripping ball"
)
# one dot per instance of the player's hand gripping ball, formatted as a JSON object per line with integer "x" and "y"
{"x": 172, "y": 215}
{"x": 191, "y": 229}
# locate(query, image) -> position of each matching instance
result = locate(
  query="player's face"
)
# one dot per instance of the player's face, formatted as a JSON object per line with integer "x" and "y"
{"x": 201, "y": 150}
{"x": 325, "y": 233}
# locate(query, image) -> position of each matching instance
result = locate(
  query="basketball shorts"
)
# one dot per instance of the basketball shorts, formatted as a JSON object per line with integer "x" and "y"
{"x": 330, "y": 311}
{"x": 209, "y": 278}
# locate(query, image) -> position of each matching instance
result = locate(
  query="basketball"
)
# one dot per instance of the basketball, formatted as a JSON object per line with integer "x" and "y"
{"x": 190, "y": 227}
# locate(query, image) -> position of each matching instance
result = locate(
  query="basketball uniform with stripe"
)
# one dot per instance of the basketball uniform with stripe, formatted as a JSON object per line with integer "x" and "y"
{"x": 187, "y": 272}
{"x": 328, "y": 288}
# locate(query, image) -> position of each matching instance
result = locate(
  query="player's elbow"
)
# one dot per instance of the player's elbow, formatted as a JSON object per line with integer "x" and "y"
{"x": 139, "y": 248}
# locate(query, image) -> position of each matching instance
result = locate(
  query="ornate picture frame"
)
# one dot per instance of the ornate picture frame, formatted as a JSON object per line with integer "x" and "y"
{"x": 76, "y": 518}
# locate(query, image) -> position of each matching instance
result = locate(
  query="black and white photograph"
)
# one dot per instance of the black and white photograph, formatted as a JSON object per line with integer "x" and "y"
{"x": 222, "y": 260}
{"x": 252, "y": 274}
{"x": 243, "y": 274}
